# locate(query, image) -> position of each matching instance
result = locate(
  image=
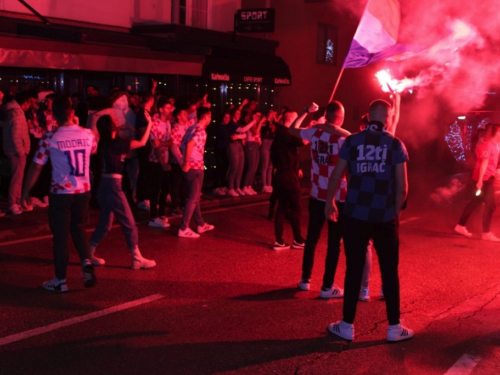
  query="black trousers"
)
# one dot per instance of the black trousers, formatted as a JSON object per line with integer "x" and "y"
{"x": 288, "y": 192}
{"x": 356, "y": 234}
{"x": 488, "y": 198}
{"x": 160, "y": 186}
{"x": 144, "y": 179}
{"x": 222, "y": 163}
{"x": 68, "y": 214}
{"x": 316, "y": 222}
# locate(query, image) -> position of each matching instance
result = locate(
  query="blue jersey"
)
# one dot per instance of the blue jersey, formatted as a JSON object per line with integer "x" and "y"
{"x": 372, "y": 157}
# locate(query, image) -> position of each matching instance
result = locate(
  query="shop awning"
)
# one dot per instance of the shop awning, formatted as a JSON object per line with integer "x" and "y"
{"x": 238, "y": 66}
{"x": 33, "y": 53}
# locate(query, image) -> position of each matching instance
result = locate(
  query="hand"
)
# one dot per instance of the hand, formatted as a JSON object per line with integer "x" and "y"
{"x": 313, "y": 107}
{"x": 166, "y": 167}
{"x": 331, "y": 211}
{"x": 186, "y": 167}
{"x": 154, "y": 82}
{"x": 300, "y": 173}
{"x": 321, "y": 120}
{"x": 234, "y": 137}
{"x": 147, "y": 116}
{"x": 479, "y": 185}
{"x": 244, "y": 102}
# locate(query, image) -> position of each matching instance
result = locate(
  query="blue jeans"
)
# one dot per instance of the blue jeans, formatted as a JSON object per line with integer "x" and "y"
{"x": 68, "y": 214}
{"x": 194, "y": 179}
{"x": 252, "y": 160}
{"x": 236, "y": 157}
{"x": 114, "y": 203}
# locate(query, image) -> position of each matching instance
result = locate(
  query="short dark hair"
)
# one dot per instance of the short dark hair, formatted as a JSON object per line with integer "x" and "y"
{"x": 201, "y": 112}
{"x": 494, "y": 129}
{"x": 62, "y": 109}
{"x": 177, "y": 111}
{"x": 332, "y": 110}
{"x": 23, "y": 97}
{"x": 162, "y": 101}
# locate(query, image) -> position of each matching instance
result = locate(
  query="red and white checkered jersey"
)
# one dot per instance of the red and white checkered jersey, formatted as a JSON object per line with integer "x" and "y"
{"x": 324, "y": 156}
{"x": 159, "y": 131}
{"x": 34, "y": 127}
{"x": 50, "y": 122}
{"x": 69, "y": 149}
{"x": 199, "y": 135}
{"x": 178, "y": 132}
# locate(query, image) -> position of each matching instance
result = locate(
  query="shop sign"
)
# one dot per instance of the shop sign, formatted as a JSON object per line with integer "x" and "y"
{"x": 253, "y": 79}
{"x": 254, "y": 20}
{"x": 281, "y": 81}
{"x": 220, "y": 77}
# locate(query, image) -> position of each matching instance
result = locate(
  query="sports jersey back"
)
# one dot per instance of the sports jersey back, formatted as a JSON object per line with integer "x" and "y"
{"x": 69, "y": 149}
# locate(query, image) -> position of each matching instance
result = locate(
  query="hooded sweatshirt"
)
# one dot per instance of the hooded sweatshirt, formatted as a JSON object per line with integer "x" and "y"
{"x": 16, "y": 139}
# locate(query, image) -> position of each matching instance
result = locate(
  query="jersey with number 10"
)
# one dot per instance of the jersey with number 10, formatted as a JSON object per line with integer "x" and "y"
{"x": 69, "y": 149}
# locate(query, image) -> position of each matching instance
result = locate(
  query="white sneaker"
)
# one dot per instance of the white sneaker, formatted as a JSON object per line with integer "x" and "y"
{"x": 333, "y": 292}
{"x": 240, "y": 192}
{"x": 364, "y": 294}
{"x": 38, "y": 203}
{"x": 252, "y": 191}
{"x": 266, "y": 189}
{"x": 95, "y": 260}
{"x": 16, "y": 210}
{"x": 204, "y": 228}
{"x": 25, "y": 206}
{"x": 490, "y": 237}
{"x": 55, "y": 285}
{"x": 398, "y": 332}
{"x": 232, "y": 193}
{"x": 164, "y": 219}
{"x": 342, "y": 329}
{"x": 144, "y": 205}
{"x": 187, "y": 233}
{"x": 460, "y": 229}
{"x": 304, "y": 284}
{"x": 158, "y": 223}
{"x": 280, "y": 246}
{"x": 142, "y": 263}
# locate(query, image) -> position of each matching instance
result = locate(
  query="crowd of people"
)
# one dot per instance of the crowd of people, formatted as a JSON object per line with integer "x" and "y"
{"x": 358, "y": 181}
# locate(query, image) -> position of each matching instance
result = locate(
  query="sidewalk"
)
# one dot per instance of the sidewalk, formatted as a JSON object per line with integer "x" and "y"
{"x": 35, "y": 223}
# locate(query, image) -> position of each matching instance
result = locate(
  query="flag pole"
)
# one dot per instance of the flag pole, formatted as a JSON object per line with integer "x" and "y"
{"x": 336, "y": 84}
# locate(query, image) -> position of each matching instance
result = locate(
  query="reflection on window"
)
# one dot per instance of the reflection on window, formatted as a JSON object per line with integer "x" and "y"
{"x": 327, "y": 45}
{"x": 199, "y": 13}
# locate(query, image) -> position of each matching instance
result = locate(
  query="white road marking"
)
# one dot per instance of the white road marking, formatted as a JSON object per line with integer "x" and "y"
{"x": 78, "y": 319}
{"x": 410, "y": 219}
{"x": 464, "y": 365}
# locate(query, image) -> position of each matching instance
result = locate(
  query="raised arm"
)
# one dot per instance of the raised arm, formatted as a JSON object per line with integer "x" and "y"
{"x": 295, "y": 128}
{"x": 145, "y": 136}
{"x": 396, "y": 105}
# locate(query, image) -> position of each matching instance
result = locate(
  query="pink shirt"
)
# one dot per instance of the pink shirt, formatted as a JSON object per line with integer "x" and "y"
{"x": 486, "y": 150}
{"x": 69, "y": 149}
{"x": 161, "y": 131}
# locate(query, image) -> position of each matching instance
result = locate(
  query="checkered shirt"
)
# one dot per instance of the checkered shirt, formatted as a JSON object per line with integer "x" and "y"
{"x": 372, "y": 157}
{"x": 161, "y": 131}
{"x": 178, "y": 132}
{"x": 199, "y": 135}
{"x": 324, "y": 156}
{"x": 34, "y": 127}
{"x": 69, "y": 149}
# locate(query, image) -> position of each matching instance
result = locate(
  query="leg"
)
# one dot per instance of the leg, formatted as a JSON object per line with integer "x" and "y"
{"x": 489, "y": 204}
{"x": 17, "y": 166}
{"x": 79, "y": 218}
{"x": 295, "y": 208}
{"x": 316, "y": 222}
{"x": 386, "y": 243}
{"x": 356, "y": 234}
{"x": 233, "y": 165}
{"x": 367, "y": 270}
{"x": 156, "y": 180}
{"x": 59, "y": 222}
{"x": 106, "y": 216}
{"x": 279, "y": 218}
{"x": 164, "y": 190}
{"x": 333, "y": 249}
{"x": 175, "y": 185}
{"x": 193, "y": 202}
{"x": 240, "y": 165}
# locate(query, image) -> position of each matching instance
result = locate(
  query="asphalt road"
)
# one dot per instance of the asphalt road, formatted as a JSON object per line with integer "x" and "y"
{"x": 227, "y": 304}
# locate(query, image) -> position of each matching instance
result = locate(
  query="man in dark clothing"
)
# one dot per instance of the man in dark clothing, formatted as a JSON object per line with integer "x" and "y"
{"x": 284, "y": 156}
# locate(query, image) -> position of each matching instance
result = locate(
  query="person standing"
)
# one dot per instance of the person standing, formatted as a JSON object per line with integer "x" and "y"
{"x": 483, "y": 177}
{"x": 193, "y": 151}
{"x": 376, "y": 190}
{"x": 220, "y": 151}
{"x": 326, "y": 140}
{"x": 285, "y": 159}
{"x": 267, "y": 137}
{"x": 69, "y": 148}
{"x": 16, "y": 146}
{"x": 178, "y": 184}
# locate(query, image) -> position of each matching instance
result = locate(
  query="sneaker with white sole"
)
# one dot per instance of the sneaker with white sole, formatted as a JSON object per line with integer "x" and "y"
{"x": 398, "y": 332}
{"x": 298, "y": 245}
{"x": 15, "y": 210}
{"x": 333, "y": 292}
{"x": 38, "y": 203}
{"x": 460, "y": 229}
{"x": 25, "y": 206}
{"x": 139, "y": 262}
{"x": 490, "y": 237}
{"x": 240, "y": 192}
{"x": 187, "y": 233}
{"x": 281, "y": 246}
{"x": 342, "y": 329}
{"x": 204, "y": 228}
{"x": 232, "y": 193}
{"x": 144, "y": 205}
{"x": 364, "y": 294}
{"x": 304, "y": 284}
{"x": 88, "y": 276}
{"x": 158, "y": 223}
{"x": 95, "y": 260}
{"x": 56, "y": 285}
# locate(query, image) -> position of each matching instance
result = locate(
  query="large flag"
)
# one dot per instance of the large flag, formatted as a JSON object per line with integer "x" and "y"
{"x": 377, "y": 35}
